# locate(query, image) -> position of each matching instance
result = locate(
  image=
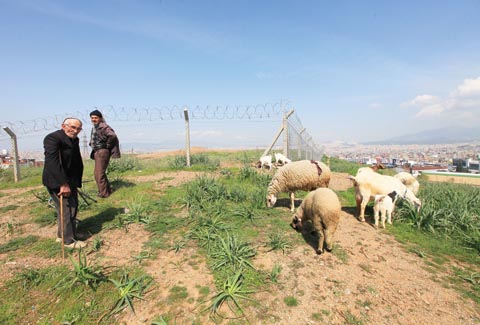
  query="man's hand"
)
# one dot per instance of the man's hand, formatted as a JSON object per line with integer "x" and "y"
{"x": 64, "y": 190}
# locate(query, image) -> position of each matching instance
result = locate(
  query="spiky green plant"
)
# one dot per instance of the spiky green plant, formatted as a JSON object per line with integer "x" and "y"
{"x": 244, "y": 212}
{"x": 275, "y": 273}
{"x": 85, "y": 274}
{"x": 277, "y": 241}
{"x": 232, "y": 292}
{"x": 230, "y": 252}
{"x": 128, "y": 290}
{"x": 451, "y": 210}
{"x": 30, "y": 277}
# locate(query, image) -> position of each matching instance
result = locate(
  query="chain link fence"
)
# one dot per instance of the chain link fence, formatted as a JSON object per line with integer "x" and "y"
{"x": 296, "y": 143}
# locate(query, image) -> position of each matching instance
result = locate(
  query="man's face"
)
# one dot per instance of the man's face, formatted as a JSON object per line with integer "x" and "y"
{"x": 95, "y": 119}
{"x": 72, "y": 128}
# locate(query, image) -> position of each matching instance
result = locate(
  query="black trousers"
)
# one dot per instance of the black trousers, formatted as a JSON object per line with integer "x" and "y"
{"x": 70, "y": 210}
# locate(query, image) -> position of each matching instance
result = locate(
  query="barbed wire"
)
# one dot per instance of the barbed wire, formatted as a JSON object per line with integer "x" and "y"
{"x": 164, "y": 113}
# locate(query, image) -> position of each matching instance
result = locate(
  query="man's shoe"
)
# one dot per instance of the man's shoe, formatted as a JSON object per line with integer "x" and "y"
{"x": 81, "y": 236}
{"x": 76, "y": 244}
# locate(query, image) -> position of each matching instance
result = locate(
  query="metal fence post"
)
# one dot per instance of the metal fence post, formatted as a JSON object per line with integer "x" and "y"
{"x": 187, "y": 134}
{"x": 285, "y": 135}
{"x": 16, "y": 164}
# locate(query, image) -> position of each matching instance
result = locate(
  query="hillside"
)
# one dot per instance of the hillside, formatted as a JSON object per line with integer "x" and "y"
{"x": 370, "y": 278}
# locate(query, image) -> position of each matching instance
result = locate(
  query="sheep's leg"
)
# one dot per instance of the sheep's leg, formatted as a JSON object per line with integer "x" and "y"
{"x": 363, "y": 205}
{"x": 389, "y": 217}
{"x": 317, "y": 225}
{"x": 292, "y": 201}
{"x": 375, "y": 216}
{"x": 358, "y": 200}
{"x": 384, "y": 215}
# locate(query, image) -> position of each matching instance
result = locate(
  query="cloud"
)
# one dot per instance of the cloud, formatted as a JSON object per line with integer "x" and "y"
{"x": 375, "y": 105}
{"x": 461, "y": 106}
{"x": 469, "y": 88}
{"x": 421, "y": 100}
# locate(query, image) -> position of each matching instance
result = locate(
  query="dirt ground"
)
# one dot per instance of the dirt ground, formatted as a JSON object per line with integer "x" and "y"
{"x": 378, "y": 281}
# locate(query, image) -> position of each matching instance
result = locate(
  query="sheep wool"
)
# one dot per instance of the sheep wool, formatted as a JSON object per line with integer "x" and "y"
{"x": 303, "y": 175}
{"x": 369, "y": 183}
{"x": 409, "y": 181}
{"x": 322, "y": 207}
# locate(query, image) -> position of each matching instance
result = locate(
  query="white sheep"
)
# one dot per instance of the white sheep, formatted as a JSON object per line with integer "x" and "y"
{"x": 322, "y": 207}
{"x": 306, "y": 175}
{"x": 369, "y": 183}
{"x": 266, "y": 161}
{"x": 281, "y": 159}
{"x": 409, "y": 181}
{"x": 384, "y": 205}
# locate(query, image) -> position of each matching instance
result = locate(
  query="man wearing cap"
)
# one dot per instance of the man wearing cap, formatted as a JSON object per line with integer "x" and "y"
{"x": 105, "y": 145}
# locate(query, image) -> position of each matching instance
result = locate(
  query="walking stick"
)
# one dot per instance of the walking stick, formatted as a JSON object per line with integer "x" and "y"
{"x": 61, "y": 227}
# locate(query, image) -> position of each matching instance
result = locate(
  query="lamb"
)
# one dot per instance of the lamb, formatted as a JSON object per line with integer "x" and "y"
{"x": 266, "y": 161}
{"x": 281, "y": 159}
{"x": 322, "y": 207}
{"x": 306, "y": 175}
{"x": 384, "y": 205}
{"x": 369, "y": 183}
{"x": 409, "y": 181}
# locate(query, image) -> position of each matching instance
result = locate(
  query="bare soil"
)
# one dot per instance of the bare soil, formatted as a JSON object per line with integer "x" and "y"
{"x": 377, "y": 282}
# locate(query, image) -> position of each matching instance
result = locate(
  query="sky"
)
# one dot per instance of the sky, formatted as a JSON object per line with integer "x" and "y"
{"x": 353, "y": 71}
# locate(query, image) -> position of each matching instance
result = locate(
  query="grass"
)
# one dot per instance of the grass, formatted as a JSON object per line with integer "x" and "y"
{"x": 222, "y": 216}
{"x": 290, "y": 301}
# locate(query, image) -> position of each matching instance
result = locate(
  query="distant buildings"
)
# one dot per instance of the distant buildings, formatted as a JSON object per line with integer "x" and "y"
{"x": 454, "y": 157}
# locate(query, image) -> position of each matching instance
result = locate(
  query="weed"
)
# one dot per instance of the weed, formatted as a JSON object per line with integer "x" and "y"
{"x": 128, "y": 290}
{"x": 351, "y": 319}
{"x": 245, "y": 212}
{"x": 143, "y": 255}
{"x": 178, "y": 245}
{"x": 18, "y": 243}
{"x": 124, "y": 164}
{"x": 29, "y": 278}
{"x": 278, "y": 241}
{"x": 177, "y": 293}
{"x": 86, "y": 274}
{"x": 232, "y": 292}
{"x": 290, "y": 301}
{"x": 275, "y": 273}
{"x": 231, "y": 252}
{"x": 97, "y": 243}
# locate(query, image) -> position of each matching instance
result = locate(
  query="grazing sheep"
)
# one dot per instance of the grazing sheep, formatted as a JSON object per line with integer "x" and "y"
{"x": 281, "y": 159}
{"x": 306, "y": 175}
{"x": 323, "y": 208}
{"x": 369, "y": 183}
{"x": 409, "y": 181}
{"x": 384, "y": 205}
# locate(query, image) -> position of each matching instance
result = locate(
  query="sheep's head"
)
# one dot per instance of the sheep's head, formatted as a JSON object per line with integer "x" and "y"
{"x": 296, "y": 222}
{"x": 271, "y": 200}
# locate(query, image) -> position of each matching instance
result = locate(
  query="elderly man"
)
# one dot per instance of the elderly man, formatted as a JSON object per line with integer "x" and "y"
{"x": 62, "y": 175}
{"x": 105, "y": 145}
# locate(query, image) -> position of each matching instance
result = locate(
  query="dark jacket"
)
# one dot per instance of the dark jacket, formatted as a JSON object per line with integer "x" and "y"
{"x": 108, "y": 140}
{"x": 63, "y": 161}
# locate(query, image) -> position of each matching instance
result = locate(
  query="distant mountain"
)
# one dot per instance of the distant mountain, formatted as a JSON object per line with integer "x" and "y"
{"x": 436, "y": 136}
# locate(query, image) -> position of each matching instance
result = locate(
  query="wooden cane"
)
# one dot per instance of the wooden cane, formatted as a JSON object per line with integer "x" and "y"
{"x": 61, "y": 227}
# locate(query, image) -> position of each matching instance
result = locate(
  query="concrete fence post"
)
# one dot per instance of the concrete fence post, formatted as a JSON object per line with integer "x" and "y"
{"x": 187, "y": 135}
{"x": 16, "y": 163}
